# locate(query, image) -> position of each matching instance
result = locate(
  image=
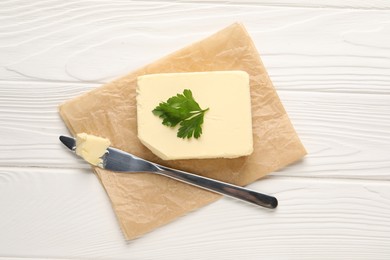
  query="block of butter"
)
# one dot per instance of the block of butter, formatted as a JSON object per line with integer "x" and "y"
{"x": 227, "y": 126}
{"x": 91, "y": 147}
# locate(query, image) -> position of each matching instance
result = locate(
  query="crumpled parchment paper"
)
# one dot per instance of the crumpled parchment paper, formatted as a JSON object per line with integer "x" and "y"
{"x": 144, "y": 201}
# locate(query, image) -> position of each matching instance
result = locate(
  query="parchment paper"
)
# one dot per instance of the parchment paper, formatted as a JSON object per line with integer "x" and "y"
{"x": 143, "y": 201}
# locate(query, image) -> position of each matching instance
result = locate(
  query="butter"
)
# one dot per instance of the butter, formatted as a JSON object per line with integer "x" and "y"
{"x": 91, "y": 147}
{"x": 227, "y": 126}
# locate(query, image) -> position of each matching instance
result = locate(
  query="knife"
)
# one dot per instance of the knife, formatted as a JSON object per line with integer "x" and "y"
{"x": 120, "y": 161}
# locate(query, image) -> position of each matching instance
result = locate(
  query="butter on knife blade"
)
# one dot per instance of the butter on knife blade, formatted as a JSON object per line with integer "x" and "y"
{"x": 116, "y": 160}
{"x": 91, "y": 148}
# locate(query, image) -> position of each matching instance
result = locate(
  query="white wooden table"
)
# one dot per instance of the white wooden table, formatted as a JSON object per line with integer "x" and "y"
{"x": 330, "y": 64}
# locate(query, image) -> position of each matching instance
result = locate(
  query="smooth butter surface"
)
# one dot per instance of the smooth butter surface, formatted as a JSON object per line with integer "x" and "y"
{"x": 227, "y": 127}
{"x": 91, "y": 147}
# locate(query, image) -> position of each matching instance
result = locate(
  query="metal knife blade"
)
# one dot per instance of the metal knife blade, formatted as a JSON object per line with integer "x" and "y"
{"x": 120, "y": 161}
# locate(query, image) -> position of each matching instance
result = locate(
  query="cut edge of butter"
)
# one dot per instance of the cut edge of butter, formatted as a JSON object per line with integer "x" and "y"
{"x": 91, "y": 148}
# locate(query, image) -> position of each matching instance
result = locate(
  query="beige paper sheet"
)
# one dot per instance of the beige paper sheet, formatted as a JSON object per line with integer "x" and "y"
{"x": 142, "y": 201}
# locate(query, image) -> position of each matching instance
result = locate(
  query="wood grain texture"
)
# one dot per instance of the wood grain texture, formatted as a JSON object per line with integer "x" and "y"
{"x": 330, "y": 64}
{"x": 93, "y": 41}
{"x": 72, "y": 218}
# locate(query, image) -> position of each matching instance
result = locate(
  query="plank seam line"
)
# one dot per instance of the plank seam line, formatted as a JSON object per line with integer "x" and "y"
{"x": 35, "y": 258}
{"x": 269, "y": 176}
{"x": 282, "y": 5}
{"x": 278, "y": 89}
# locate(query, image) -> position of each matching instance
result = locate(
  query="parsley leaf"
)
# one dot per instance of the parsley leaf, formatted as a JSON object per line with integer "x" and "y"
{"x": 184, "y": 110}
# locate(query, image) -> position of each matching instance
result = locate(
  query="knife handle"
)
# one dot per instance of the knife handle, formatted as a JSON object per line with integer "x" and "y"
{"x": 220, "y": 187}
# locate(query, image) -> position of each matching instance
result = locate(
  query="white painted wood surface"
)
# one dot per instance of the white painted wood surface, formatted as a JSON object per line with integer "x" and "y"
{"x": 330, "y": 63}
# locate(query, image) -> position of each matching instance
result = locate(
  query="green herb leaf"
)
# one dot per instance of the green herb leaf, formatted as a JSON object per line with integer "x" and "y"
{"x": 184, "y": 110}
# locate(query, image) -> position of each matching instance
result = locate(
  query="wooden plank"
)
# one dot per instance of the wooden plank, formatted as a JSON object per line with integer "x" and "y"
{"x": 348, "y": 4}
{"x": 94, "y": 41}
{"x": 53, "y": 213}
{"x": 30, "y": 124}
{"x": 346, "y": 135}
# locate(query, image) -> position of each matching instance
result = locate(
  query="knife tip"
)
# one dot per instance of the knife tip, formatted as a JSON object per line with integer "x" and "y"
{"x": 68, "y": 141}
